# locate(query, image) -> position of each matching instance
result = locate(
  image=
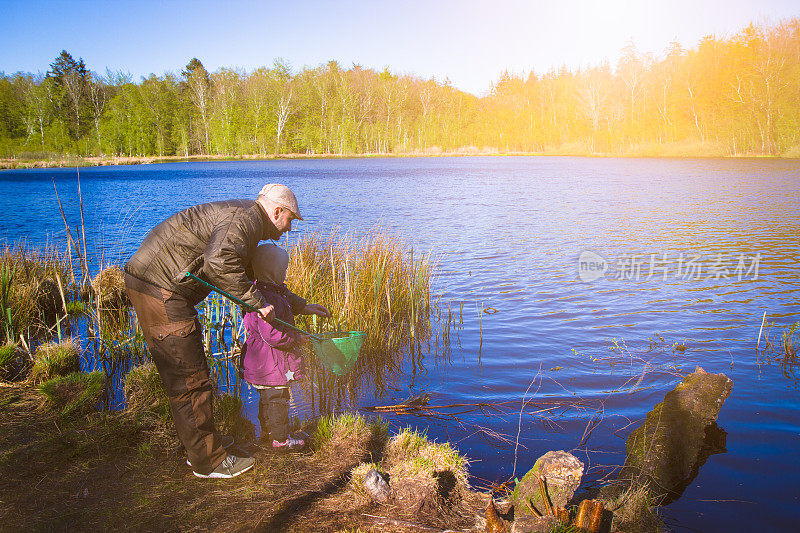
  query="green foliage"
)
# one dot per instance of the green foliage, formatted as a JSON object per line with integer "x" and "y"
{"x": 76, "y": 308}
{"x": 727, "y": 96}
{"x": 74, "y": 393}
{"x": 69, "y": 86}
{"x": 55, "y": 359}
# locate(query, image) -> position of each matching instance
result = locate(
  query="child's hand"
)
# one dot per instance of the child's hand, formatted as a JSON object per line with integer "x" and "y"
{"x": 302, "y": 340}
{"x": 315, "y": 309}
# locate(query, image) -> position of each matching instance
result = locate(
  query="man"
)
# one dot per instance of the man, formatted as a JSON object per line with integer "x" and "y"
{"x": 215, "y": 242}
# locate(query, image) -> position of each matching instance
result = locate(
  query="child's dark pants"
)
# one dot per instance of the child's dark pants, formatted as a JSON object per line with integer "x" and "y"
{"x": 273, "y": 413}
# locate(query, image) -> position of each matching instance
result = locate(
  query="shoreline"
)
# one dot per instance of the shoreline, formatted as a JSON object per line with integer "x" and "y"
{"x": 128, "y": 466}
{"x": 97, "y": 161}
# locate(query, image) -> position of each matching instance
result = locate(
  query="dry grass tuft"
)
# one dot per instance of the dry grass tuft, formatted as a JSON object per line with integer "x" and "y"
{"x": 109, "y": 288}
{"x": 230, "y": 420}
{"x": 356, "y": 485}
{"x": 634, "y": 509}
{"x": 11, "y": 363}
{"x": 331, "y": 431}
{"x": 55, "y": 359}
{"x": 411, "y": 454}
{"x": 144, "y": 392}
{"x": 75, "y": 393}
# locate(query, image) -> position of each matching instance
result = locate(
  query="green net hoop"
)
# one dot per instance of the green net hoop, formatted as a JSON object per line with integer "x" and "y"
{"x": 337, "y": 351}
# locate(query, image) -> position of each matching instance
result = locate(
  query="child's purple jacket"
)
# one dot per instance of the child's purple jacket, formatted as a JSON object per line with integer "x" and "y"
{"x": 271, "y": 350}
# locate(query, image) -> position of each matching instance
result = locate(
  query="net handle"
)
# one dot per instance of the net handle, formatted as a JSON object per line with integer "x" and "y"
{"x": 234, "y": 299}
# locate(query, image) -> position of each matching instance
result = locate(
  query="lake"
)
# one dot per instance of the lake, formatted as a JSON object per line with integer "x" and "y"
{"x": 598, "y": 269}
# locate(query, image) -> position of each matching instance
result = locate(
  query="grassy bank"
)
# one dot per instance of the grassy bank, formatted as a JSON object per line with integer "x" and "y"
{"x": 125, "y": 470}
{"x": 665, "y": 150}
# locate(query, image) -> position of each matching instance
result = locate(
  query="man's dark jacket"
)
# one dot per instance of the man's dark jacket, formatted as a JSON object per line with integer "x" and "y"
{"x": 213, "y": 241}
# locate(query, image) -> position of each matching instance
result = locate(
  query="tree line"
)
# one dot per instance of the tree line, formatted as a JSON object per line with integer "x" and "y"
{"x": 738, "y": 94}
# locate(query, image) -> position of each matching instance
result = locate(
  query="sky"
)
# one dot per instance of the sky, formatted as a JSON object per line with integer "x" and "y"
{"x": 468, "y": 42}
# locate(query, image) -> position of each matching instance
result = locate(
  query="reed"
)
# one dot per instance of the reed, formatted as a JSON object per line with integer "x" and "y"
{"x": 223, "y": 336}
{"x": 373, "y": 284}
{"x": 790, "y": 343}
{"x": 30, "y": 300}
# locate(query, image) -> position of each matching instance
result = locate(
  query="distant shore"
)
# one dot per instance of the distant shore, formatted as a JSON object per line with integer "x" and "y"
{"x": 678, "y": 150}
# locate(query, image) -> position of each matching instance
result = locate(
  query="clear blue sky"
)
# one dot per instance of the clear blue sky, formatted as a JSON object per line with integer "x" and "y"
{"x": 469, "y": 41}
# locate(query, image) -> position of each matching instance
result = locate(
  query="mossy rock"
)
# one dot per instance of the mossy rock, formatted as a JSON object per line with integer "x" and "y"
{"x": 144, "y": 392}
{"x": 562, "y": 472}
{"x": 55, "y": 359}
{"x": 662, "y": 452}
{"x": 75, "y": 393}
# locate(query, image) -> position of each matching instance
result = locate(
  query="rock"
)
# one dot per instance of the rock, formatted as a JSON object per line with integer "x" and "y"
{"x": 376, "y": 486}
{"x": 562, "y": 472}
{"x": 663, "y": 451}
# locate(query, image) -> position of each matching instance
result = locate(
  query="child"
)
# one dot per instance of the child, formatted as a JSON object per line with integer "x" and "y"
{"x": 271, "y": 353}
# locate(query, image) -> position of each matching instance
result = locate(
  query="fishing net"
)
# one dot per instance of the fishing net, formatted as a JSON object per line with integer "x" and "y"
{"x": 337, "y": 351}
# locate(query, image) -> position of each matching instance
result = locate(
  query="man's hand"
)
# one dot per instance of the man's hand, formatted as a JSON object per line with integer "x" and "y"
{"x": 267, "y": 313}
{"x": 315, "y": 309}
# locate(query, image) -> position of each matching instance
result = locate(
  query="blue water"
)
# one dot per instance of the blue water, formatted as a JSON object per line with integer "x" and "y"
{"x": 508, "y": 234}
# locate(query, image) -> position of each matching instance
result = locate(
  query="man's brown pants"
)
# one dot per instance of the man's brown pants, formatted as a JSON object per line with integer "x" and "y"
{"x": 174, "y": 338}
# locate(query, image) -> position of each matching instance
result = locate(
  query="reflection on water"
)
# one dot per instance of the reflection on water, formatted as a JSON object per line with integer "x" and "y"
{"x": 714, "y": 443}
{"x": 508, "y": 234}
{"x": 378, "y": 371}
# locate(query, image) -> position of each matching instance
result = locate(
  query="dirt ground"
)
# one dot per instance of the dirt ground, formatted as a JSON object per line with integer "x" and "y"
{"x": 119, "y": 471}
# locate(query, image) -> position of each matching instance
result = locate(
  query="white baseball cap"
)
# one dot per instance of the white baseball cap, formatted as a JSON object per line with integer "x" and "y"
{"x": 283, "y": 196}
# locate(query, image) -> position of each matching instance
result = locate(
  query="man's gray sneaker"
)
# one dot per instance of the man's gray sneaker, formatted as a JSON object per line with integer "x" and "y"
{"x": 230, "y": 467}
{"x": 227, "y": 442}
